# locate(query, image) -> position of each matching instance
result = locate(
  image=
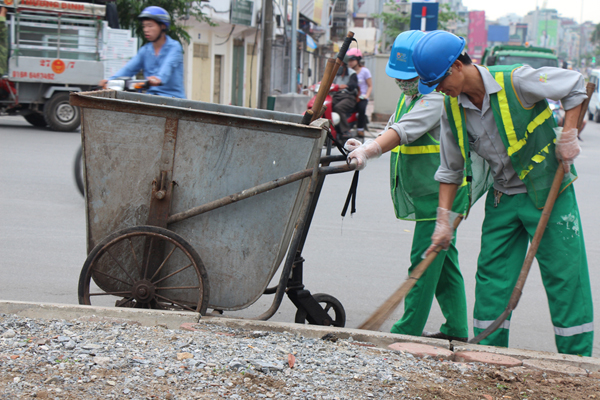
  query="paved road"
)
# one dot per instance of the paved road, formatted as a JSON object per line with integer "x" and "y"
{"x": 360, "y": 260}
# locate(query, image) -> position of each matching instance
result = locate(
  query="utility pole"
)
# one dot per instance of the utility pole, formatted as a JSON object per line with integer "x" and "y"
{"x": 267, "y": 51}
{"x": 294, "y": 48}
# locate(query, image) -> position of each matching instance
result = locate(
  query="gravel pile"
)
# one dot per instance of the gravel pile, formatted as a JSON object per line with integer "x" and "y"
{"x": 97, "y": 358}
{"x": 116, "y": 359}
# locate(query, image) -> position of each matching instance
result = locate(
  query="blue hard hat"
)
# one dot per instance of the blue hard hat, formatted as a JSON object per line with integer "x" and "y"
{"x": 434, "y": 55}
{"x": 400, "y": 65}
{"x": 157, "y": 14}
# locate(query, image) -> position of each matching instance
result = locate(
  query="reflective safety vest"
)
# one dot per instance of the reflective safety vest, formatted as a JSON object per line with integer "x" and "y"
{"x": 527, "y": 134}
{"x": 415, "y": 192}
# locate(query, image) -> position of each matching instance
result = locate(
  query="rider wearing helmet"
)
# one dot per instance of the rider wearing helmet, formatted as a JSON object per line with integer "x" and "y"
{"x": 365, "y": 85}
{"x": 412, "y": 134}
{"x": 161, "y": 59}
{"x": 501, "y": 115}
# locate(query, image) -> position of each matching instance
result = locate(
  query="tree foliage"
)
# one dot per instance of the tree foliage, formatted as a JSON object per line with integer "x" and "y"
{"x": 129, "y": 10}
{"x": 396, "y": 22}
{"x": 446, "y": 15}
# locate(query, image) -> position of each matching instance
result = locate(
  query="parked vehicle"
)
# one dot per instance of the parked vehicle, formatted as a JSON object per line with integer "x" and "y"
{"x": 57, "y": 47}
{"x": 536, "y": 57}
{"x": 594, "y": 106}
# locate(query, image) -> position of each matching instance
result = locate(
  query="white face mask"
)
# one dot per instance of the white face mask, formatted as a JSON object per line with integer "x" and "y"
{"x": 409, "y": 88}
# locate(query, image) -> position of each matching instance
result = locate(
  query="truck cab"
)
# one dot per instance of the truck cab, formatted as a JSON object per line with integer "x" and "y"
{"x": 57, "y": 47}
{"x": 536, "y": 57}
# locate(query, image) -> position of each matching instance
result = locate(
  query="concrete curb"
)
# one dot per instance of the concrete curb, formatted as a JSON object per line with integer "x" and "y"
{"x": 170, "y": 319}
{"x": 173, "y": 320}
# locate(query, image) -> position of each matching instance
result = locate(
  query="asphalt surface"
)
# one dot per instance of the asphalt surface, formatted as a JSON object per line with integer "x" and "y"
{"x": 360, "y": 260}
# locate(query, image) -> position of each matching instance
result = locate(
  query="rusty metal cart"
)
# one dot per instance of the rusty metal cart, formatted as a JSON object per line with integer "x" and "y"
{"x": 150, "y": 161}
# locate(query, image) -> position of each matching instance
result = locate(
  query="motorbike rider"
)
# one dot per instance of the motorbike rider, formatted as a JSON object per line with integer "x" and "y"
{"x": 412, "y": 134}
{"x": 161, "y": 59}
{"x": 365, "y": 85}
{"x": 344, "y": 100}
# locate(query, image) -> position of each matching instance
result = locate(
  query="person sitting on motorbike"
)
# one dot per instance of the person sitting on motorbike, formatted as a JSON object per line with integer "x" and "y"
{"x": 365, "y": 85}
{"x": 161, "y": 59}
{"x": 344, "y": 100}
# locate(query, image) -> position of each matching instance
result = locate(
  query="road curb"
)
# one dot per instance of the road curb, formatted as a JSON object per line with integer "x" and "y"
{"x": 564, "y": 363}
{"x": 170, "y": 319}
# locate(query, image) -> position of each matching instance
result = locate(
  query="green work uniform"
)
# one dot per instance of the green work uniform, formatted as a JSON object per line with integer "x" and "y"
{"x": 415, "y": 197}
{"x": 511, "y": 220}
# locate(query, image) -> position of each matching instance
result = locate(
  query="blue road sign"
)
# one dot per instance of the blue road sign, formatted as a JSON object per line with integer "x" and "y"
{"x": 429, "y": 11}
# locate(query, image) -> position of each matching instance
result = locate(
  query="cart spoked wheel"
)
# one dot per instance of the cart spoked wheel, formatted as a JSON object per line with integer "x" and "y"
{"x": 331, "y": 306}
{"x": 145, "y": 267}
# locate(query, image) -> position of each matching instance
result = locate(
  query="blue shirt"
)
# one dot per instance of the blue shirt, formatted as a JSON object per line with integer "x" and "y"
{"x": 167, "y": 66}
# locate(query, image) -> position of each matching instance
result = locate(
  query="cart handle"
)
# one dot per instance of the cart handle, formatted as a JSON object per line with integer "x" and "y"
{"x": 253, "y": 191}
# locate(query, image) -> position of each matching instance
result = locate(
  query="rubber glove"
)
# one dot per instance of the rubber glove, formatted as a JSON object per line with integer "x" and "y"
{"x": 567, "y": 148}
{"x": 352, "y": 144}
{"x": 443, "y": 233}
{"x": 360, "y": 154}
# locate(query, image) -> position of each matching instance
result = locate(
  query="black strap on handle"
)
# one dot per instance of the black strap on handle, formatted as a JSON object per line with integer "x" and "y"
{"x": 337, "y": 143}
{"x": 351, "y": 196}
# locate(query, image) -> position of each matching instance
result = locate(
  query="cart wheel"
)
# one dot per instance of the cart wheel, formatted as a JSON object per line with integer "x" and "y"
{"x": 329, "y": 303}
{"x": 118, "y": 269}
{"x": 78, "y": 170}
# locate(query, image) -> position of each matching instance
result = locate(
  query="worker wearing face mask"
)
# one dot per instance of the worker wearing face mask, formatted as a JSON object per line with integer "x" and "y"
{"x": 412, "y": 135}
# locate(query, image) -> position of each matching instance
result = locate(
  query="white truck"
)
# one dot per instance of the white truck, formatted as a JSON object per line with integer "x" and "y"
{"x": 57, "y": 47}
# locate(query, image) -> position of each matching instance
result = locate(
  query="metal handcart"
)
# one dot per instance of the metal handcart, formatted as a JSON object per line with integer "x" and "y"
{"x": 193, "y": 205}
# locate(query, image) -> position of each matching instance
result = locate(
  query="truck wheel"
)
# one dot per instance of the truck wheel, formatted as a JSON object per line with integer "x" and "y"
{"x": 60, "y": 115}
{"x": 36, "y": 119}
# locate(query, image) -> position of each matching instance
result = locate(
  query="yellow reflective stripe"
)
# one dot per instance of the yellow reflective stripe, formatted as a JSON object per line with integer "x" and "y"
{"x": 459, "y": 126}
{"x": 538, "y": 158}
{"x": 430, "y": 149}
{"x": 459, "y": 130}
{"x": 396, "y": 149}
{"x": 537, "y": 121}
{"x": 505, "y": 112}
{"x": 399, "y": 109}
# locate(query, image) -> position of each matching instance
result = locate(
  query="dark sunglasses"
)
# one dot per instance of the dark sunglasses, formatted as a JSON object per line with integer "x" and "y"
{"x": 438, "y": 80}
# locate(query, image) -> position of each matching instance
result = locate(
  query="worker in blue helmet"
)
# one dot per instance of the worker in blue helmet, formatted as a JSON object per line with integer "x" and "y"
{"x": 412, "y": 136}
{"x": 161, "y": 59}
{"x": 498, "y": 136}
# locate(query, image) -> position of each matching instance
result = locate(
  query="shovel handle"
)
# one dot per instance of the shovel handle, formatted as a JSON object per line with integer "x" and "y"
{"x": 331, "y": 69}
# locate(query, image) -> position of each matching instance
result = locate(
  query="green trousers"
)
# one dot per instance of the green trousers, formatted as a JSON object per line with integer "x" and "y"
{"x": 506, "y": 232}
{"x": 442, "y": 279}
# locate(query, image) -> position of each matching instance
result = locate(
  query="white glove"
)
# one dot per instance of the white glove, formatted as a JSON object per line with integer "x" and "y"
{"x": 567, "y": 148}
{"x": 360, "y": 154}
{"x": 352, "y": 144}
{"x": 443, "y": 233}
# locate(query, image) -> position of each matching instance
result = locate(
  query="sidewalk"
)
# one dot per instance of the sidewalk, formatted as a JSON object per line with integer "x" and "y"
{"x": 94, "y": 352}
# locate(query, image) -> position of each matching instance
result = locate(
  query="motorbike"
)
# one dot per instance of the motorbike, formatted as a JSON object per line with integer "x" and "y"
{"x": 125, "y": 84}
{"x": 333, "y": 117}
